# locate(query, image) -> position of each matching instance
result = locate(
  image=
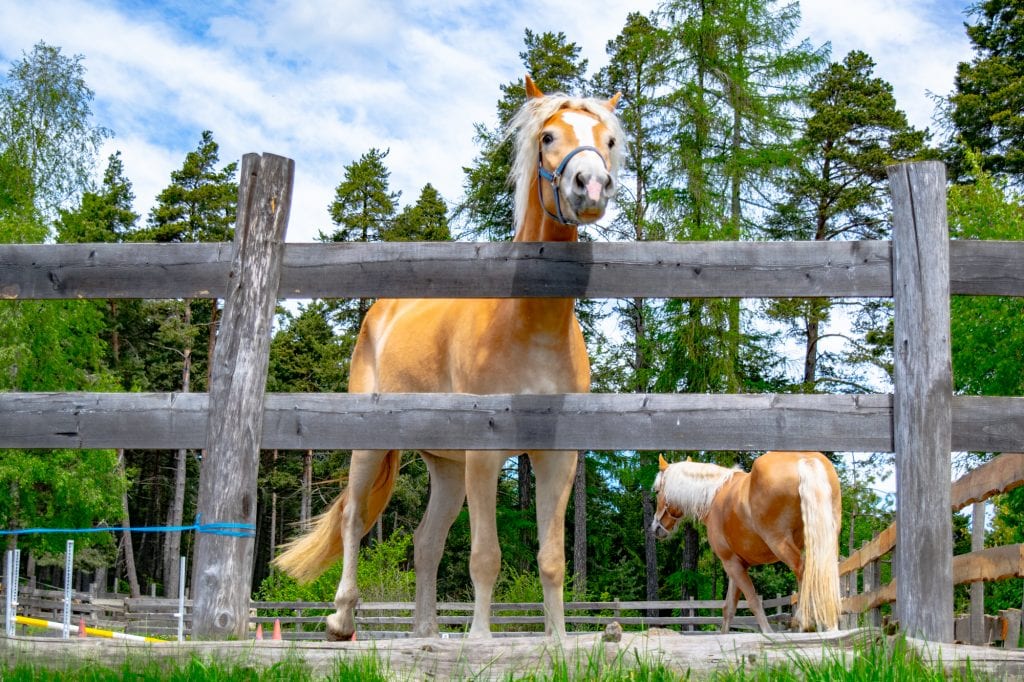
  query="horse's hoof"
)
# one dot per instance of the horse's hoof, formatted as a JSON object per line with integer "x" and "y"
{"x": 333, "y": 636}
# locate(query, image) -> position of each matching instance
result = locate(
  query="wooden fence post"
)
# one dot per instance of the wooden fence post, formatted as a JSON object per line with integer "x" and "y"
{"x": 221, "y": 583}
{"x": 922, "y": 400}
{"x": 978, "y": 588}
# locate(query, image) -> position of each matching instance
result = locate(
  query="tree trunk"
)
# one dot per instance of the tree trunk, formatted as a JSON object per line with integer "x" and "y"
{"x": 525, "y": 473}
{"x": 650, "y": 551}
{"x": 307, "y": 490}
{"x": 176, "y": 512}
{"x": 273, "y": 514}
{"x": 579, "y": 546}
{"x": 126, "y": 538}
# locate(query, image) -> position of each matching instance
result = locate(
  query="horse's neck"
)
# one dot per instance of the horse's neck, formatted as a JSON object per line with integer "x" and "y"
{"x": 693, "y": 491}
{"x": 538, "y": 226}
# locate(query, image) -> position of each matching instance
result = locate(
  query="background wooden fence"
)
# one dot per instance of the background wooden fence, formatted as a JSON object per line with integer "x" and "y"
{"x": 921, "y": 421}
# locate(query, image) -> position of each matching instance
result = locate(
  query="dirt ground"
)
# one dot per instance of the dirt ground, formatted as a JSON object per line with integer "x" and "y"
{"x": 417, "y": 659}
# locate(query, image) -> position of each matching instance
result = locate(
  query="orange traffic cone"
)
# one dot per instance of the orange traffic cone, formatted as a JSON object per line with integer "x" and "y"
{"x": 259, "y": 630}
{"x": 81, "y": 628}
{"x": 277, "y": 630}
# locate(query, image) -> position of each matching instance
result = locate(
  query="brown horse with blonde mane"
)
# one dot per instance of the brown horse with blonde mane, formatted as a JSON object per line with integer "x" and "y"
{"x": 568, "y": 150}
{"x": 786, "y": 509}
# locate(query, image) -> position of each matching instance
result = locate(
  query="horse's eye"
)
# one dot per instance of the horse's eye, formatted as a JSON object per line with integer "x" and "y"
{"x": 547, "y": 138}
{"x": 611, "y": 143}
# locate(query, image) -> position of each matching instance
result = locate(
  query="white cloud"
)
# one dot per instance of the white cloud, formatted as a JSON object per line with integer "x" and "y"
{"x": 322, "y": 82}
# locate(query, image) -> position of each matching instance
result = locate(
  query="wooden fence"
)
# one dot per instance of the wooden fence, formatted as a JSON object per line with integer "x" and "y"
{"x": 157, "y": 617}
{"x": 921, "y": 421}
{"x": 861, "y": 572}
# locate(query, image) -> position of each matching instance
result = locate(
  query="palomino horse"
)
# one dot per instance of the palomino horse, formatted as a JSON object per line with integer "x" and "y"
{"x": 567, "y": 153}
{"x": 788, "y": 503}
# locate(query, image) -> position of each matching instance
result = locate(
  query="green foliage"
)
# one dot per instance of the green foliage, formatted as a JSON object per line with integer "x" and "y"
{"x": 384, "y": 574}
{"x": 986, "y": 108}
{"x": 48, "y": 144}
{"x": 200, "y": 203}
{"x": 987, "y": 331}
{"x": 426, "y": 220}
{"x": 364, "y": 205}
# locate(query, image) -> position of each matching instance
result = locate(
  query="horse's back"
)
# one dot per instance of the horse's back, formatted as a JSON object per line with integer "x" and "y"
{"x": 775, "y": 490}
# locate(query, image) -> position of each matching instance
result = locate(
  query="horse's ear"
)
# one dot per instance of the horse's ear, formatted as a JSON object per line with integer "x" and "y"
{"x": 611, "y": 103}
{"x": 532, "y": 91}
{"x": 689, "y": 459}
{"x": 662, "y": 464}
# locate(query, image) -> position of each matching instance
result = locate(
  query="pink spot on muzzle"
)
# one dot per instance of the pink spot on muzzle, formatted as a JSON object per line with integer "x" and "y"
{"x": 594, "y": 190}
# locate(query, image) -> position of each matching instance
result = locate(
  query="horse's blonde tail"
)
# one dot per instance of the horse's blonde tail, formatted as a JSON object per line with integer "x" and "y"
{"x": 819, "y": 602}
{"x": 306, "y": 557}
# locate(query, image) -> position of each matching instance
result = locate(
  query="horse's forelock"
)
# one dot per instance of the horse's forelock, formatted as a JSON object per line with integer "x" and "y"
{"x": 525, "y": 126}
{"x": 691, "y": 486}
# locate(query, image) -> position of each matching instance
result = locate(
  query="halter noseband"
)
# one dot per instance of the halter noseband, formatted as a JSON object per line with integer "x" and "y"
{"x": 555, "y": 178}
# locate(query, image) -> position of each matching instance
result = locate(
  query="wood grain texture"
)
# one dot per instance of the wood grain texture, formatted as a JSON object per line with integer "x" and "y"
{"x": 598, "y": 421}
{"x": 922, "y": 399}
{"x": 227, "y": 479}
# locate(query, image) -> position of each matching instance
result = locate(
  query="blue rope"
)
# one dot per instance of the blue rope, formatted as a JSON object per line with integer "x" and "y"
{"x": 235, "y": 530}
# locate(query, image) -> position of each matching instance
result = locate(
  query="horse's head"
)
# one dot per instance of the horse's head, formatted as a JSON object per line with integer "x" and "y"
{"x": 666, "y": 518}
{"x": 571, "y": 148}
{"x": 685, "y": 489}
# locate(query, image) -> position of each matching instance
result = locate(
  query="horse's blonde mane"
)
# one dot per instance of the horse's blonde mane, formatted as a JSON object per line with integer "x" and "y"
{"x": 526, "y": 126}
{"x": 690, "y": 487}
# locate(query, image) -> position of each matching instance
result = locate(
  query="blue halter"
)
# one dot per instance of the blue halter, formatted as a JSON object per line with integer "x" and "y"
{"x": 555, "y": 178}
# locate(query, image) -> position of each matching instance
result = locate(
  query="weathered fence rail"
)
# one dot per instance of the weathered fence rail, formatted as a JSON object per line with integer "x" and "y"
{"x": 921, "y": 422}
{"x": 459, "y": 270}
{"x": 305, "y": 620}
{"x": 296, "y": 421}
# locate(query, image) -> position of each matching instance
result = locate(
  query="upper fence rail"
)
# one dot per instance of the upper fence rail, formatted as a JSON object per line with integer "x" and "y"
{"x": 502, "y": 269}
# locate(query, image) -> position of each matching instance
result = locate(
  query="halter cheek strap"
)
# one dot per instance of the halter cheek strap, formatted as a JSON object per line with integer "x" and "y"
{"x": 555, "y": 178}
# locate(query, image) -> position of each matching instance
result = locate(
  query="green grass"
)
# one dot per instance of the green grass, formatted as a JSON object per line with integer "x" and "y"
{"x": 889, "y": 660}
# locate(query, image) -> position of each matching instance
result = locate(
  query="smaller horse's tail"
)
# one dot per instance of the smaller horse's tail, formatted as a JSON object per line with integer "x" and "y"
{"x": 819, "y": 602}
{"x": 306, "y": 557}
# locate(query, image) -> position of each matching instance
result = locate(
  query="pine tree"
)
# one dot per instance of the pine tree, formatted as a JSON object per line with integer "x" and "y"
{"x": 426, "y": 220}
{"x": 986, "y": 108}
{"x": 199, "y": 205}
{"x": 363, "y": 210}
{"x": 840, "y": 190}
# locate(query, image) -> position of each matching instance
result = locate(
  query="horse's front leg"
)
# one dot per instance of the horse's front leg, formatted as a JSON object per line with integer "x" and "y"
{"x": 365, "y": 465}
{"x": 555, "y": 472}
{"x": 482, "y": 470}
{"x": 447, "y": 494}
{"x": 732, "y": 598}
{"x": 738, "y": 576}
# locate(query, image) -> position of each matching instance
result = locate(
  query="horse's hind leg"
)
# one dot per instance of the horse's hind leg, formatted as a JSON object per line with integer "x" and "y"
{"x": 447, "y": 495}
{"x": 363, "y": 470}
{"x": 554, "y": 471}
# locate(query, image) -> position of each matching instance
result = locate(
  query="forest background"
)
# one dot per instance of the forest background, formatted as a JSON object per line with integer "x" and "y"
{"x": 739, "y": 129}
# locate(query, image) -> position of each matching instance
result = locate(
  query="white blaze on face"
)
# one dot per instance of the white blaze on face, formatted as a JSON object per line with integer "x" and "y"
{"x": 583, "y": 126}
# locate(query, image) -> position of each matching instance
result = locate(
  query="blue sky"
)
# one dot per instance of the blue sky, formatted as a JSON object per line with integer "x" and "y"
{"x": 323, "y": 81}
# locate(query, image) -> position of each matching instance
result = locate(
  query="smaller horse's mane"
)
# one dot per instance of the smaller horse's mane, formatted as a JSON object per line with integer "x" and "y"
{"x": 526, "y": 126}
{"x": 690, "y": 487}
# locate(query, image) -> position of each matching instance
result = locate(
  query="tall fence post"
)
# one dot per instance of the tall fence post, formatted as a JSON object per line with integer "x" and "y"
{"x": 223, "y": 561}
{"x": 922, "y": 400}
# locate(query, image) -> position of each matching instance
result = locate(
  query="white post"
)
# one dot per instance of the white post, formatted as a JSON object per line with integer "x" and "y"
{"x": 69, "y": 562}
{"x": 181, "y": 600}
{"x": 9, "y": 594}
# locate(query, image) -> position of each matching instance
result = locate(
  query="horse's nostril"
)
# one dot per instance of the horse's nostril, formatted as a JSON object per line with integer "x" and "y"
{"x": 580, "y": 180}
